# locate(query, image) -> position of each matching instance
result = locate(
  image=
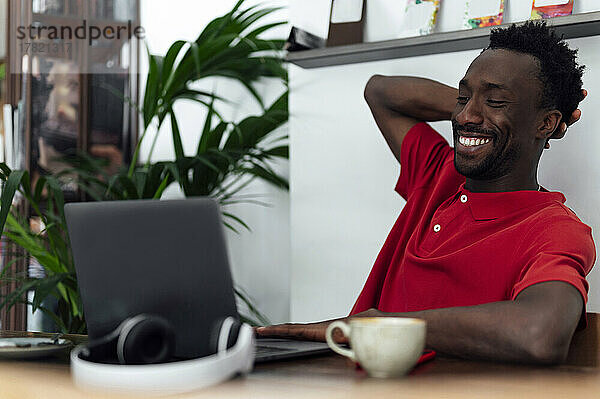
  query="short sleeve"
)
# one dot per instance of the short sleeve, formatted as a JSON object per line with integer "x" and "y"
{"x": 423, "y": 153}
{"x": 562, "y": 249}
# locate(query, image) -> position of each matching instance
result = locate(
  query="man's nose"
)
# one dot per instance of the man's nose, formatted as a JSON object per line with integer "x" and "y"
{"x": 470, "y": 114}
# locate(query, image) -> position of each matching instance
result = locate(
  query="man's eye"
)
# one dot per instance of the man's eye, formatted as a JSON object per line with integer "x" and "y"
{"x": 496, "y": 103}
{"x": 462, "y": 99}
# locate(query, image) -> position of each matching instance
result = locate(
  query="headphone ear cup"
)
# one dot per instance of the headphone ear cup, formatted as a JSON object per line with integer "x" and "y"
{"x": 215, "y": 333}
{"x": 233, "y": 334}
{"x": 234, "y": 327}
{"x": 102, "y": 350}
{"x": 146, "y": 339}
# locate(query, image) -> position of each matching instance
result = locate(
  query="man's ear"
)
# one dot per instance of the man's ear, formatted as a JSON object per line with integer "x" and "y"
{"x": 549, "y": 126}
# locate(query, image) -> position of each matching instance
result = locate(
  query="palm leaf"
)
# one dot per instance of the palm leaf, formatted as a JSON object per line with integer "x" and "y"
{"x": 8, "y": 192}
{"x": 216, "y": 27}
{"x": 44, "y": 288}
{"x": 237, "y": 219}
{"x": 161, "y": 188}
{"x": 39, "y": 189}
{"x": 268, "y": 175}
{"x": 265, "y": 28}
{"x": 211, "y": 138}
{"x": 281, "y": 152}
{"x": 169, "y": 61}
{"x": 57, "y": 320}
{"x": 177, "y": 143}
{"x": 128, "y": 187}
{"x": 17, "y": 295}
{"x": 255, "y": 16}
{"x": 246, "y": 300}
{"x": 153, "y": 84}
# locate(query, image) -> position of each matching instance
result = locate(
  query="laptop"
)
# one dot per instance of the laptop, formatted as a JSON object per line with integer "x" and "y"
{"x": 167, "y": 258}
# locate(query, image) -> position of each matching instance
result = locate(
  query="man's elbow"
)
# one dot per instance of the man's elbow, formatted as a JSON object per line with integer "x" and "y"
{"x": 373, "y": 88}
{"x": 546, "y": 346}
{"x": 548, "y": 354}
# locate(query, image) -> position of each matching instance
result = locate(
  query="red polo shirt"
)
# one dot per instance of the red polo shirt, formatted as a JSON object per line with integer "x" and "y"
{"x": 451, "y": 247}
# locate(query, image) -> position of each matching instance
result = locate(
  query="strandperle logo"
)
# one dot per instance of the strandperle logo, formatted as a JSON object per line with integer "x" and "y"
{"x": 85, "y": 31}
{"x": 83, "y": 45}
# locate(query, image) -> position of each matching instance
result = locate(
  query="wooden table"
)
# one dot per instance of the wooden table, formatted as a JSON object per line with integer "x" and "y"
{"x": 331, "y": 376}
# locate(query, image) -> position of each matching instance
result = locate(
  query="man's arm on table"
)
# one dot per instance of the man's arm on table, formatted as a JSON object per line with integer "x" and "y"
{"x": 535, "y": 328}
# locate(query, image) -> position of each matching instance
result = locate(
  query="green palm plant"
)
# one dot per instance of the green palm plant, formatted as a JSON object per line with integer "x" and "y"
{"x": 228, "y": 47}
{"x": 228, "y": 157}
{"x": 50, "y": 248}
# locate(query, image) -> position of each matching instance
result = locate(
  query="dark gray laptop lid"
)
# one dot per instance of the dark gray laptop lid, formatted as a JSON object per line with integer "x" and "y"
{"x": 160, "y": 257}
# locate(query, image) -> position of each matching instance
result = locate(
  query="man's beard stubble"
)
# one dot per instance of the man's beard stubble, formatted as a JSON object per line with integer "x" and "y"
{"x": 493, "y": 166}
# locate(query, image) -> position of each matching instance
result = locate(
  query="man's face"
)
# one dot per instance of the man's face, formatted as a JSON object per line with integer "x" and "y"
{"x": 496, "y": 116}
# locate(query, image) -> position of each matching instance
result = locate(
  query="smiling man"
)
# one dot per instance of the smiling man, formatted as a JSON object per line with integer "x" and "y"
{"x": 492, "y": 261}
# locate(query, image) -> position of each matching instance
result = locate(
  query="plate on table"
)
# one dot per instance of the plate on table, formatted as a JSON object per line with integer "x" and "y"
{"x": 32, "y": 348}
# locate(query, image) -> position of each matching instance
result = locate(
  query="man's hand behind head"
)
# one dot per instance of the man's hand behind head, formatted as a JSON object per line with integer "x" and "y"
{"x": 563, "y": 126}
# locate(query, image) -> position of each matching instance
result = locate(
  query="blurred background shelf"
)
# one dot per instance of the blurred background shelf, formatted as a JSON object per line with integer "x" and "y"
{"x": 572, "y": 26}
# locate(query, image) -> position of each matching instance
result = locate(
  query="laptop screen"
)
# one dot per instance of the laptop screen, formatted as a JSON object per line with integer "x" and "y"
{"x": 167, "y": 258}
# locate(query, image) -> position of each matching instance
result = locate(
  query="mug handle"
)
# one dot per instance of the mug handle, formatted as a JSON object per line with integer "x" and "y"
{"x": 333, "y": 345}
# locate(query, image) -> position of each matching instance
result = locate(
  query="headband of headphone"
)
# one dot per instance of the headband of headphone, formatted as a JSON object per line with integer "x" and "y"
{"x": 143, "y": 345}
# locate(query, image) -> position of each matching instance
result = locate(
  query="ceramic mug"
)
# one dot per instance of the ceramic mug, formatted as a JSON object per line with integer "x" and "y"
{"x": 383, "y": 346}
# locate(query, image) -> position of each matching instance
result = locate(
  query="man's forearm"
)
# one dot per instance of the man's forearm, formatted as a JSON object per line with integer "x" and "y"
{"x": 536, "y": 327}
{"x": 503, "y": 331}
{"x": 418, "y": 98}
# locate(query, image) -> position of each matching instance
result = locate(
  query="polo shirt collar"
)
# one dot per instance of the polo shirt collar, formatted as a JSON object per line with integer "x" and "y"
{"x": 487, "y": 206}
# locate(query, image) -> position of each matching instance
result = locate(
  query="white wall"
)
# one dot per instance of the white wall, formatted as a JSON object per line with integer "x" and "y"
{"x": 342, "y": 174}
{"x": 261, "y": 258}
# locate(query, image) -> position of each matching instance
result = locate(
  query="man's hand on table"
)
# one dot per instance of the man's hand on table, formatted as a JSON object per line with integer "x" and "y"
{"x": 310, "y": 331}
{"x": 305, "y": 332}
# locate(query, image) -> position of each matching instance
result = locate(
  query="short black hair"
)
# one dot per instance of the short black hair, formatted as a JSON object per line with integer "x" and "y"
{"x": 560, "y": 74}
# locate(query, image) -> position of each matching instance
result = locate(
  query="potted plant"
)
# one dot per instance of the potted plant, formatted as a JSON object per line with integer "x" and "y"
{"x": 228, "y": 156}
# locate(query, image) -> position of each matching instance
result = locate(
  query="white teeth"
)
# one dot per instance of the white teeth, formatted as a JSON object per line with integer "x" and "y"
{"x": 471, "y": 142}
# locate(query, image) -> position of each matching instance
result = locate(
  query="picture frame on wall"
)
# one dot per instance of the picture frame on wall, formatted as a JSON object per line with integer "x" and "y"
{"x": 420, "y": 17}
{"x": 346, "y": 22}
{"x": 481, "y": 13}
{"x": 544, "y": 9}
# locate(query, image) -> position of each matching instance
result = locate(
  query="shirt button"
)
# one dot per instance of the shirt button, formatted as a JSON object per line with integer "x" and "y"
{"x": 437, "y": 228}
{"x": 463, "y": 198}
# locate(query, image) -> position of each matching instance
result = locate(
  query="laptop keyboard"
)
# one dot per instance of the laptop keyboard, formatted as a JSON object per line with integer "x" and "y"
{"x": 269, "y": 350}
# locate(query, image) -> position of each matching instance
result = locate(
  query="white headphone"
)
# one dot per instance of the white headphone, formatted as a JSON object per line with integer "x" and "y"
{"x": 163, "y": 378}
